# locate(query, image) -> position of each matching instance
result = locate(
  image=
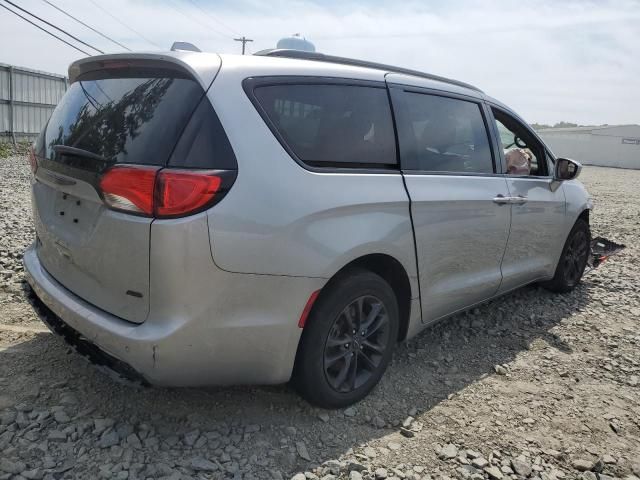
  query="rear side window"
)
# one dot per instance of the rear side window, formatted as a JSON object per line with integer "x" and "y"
{"x": 441, "y": 134}
{"x": 327, "y": 125}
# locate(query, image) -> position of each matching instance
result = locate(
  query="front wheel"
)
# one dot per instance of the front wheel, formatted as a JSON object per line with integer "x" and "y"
{"x": 348, "y": 340}
{"x": 573, "y": 260}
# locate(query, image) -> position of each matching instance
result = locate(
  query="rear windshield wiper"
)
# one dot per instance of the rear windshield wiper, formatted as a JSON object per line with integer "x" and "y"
{"x": 77, "y": 152}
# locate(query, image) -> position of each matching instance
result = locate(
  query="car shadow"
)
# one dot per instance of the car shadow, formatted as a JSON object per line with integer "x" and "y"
{"x": 272, "y": 425}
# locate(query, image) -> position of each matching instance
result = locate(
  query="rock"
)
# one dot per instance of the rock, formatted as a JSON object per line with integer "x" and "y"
{"x": 370, "y": 452}
{"x": 406, "y": 423}
{"x": 109, "y": 439}
{"x": 61, "y": 416}
{"x": 299, "y": 476}
{"x": 200, "y": 464}
{"x": 355, "y": 475}
{"x": 101, "y": 424}
{"x": 608, "y": 459}
{"x": 302, "y": 451}
{"x": 133, "y": 441}
{"x": 355, "y": 466}
{"x": 407, "y": 433}
{"x": 521, "y": 466}
{"x": 8, "y": 466}
{"x": 350, "y": 412}
{"x": 57, "y": 436}
{"x": 324, "y": 417}
{"x": 380, "y": 473}
{"x": 494, "y": 472}
{"x": 5, "y": 439}
{"x": 395, "y": 446}
{"x": 35, "y": 474}
{"x": 500, "y": 370}
{"x": 472, "y": 454}
{"x": 479, "y": 463}
{"x": 448, "y": 452}
{"x": 582, "y": 465}
{"x": 191, "y": 437}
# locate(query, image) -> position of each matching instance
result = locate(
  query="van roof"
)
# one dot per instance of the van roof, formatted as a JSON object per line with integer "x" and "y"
{"x": 321, "y": 57}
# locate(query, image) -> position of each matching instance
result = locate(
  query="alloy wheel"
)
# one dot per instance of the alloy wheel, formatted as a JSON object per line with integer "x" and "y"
{"x": 356, "y": 344}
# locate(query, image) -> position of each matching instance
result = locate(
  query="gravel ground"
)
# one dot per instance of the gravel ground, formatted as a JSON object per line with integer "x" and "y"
{"x": 531, "y": 385}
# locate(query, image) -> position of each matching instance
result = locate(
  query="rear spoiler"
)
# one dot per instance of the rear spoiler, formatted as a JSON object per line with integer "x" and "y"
{"x": 203, "y": 67}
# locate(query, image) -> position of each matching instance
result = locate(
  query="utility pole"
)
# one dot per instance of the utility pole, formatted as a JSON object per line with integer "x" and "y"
{"x": 244, "y": 41}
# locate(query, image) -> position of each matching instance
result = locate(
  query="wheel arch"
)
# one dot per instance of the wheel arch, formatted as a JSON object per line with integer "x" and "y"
{"x": 394, "y": 273}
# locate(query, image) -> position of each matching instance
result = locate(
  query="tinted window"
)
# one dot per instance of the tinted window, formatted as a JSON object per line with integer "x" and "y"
{"x": 204, "y": 144}
{"x": 137, "y": 119}
{"x": 441, "y": 134}
{"x": 332, "y": 125}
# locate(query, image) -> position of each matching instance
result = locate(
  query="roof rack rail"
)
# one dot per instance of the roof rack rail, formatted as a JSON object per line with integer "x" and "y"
{"x": 321, "y": 57}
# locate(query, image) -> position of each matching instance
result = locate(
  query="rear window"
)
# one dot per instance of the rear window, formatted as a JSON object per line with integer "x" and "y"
{"x": 332, "y": 125}
{"x": 135, "y": 116}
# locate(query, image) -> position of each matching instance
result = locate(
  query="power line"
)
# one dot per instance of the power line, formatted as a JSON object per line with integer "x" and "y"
{"x": 125, "y": 25}
{"x": 244, "y": 41}
{"x": 193, "y": 19}
{"x": 88, "y": 26}
{"x": 233, "y": 32}
{"x": 44, "y": 30}
{"x": 53, "y": 26}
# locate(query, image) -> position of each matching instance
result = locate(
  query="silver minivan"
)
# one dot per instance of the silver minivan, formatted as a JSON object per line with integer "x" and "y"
{"x": 219, "y": 219}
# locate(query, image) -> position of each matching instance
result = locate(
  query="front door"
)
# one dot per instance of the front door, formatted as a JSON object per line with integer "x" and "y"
{"x": 450, "y": 175}
{"x": 538, "y": 206}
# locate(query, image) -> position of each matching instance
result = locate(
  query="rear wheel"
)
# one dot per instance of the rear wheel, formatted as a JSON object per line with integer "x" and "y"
{"x": 348, "y": 340}
{"x": 573, "y": 259}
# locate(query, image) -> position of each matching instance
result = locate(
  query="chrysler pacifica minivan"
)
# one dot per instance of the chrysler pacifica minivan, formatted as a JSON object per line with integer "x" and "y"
{"x": 219, "y": 219}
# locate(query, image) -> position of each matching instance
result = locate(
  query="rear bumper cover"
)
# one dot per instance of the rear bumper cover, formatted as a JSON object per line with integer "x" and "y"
{"x": 254, "y": 344}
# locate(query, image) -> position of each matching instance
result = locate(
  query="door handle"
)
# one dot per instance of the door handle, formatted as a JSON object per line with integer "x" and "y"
{"x": 501, "y": 199}
{"x": 518, "y": 200}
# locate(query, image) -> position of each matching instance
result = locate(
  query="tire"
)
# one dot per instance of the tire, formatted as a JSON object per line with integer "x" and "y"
{"x": 573, "y": 260}
{"x": 329, "y": 352}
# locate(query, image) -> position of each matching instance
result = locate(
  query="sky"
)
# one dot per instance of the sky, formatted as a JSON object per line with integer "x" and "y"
{"x": 550, "y": 60}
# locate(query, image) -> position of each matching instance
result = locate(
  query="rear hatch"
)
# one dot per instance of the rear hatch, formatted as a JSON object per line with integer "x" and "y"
{"x": 124, "y": 112}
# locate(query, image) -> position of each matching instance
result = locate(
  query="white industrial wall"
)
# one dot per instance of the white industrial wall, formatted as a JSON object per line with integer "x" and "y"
{"x": 605, "y": 148}
{"x": 27, "y": 98}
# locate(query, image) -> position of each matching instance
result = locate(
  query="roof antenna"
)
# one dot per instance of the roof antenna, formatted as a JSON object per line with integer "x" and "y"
{"x": 184, "y": 46}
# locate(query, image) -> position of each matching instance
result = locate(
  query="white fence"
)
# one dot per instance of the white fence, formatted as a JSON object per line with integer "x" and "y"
{"x": 27, "y": 98}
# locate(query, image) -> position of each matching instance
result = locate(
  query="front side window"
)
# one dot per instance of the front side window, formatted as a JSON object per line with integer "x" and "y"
{"x": 523, "y": 153}
{"x": 332, "y": 125}
{"x": 441, "y": 134}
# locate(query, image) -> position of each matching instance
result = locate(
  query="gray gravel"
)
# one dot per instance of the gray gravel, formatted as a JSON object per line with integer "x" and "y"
{"x": 533, "y": 385}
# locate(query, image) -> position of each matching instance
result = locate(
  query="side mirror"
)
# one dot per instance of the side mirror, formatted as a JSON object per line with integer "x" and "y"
{"x": 567, "y": 169}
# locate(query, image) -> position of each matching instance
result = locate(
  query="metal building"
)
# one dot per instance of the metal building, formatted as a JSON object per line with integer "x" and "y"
{"x": 606, "y": 146}
{"x": 27, "y": 98}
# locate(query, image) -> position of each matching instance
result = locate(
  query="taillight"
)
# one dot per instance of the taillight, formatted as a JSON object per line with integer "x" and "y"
{"x": 33, "y": 162}
{"x": 181, "y": 192}
{"x": 161, "y": 193}
{"x": 129, "y": 189}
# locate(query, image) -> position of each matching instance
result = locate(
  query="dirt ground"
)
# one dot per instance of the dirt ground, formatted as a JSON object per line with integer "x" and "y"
{"x": 532, "y": 385}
